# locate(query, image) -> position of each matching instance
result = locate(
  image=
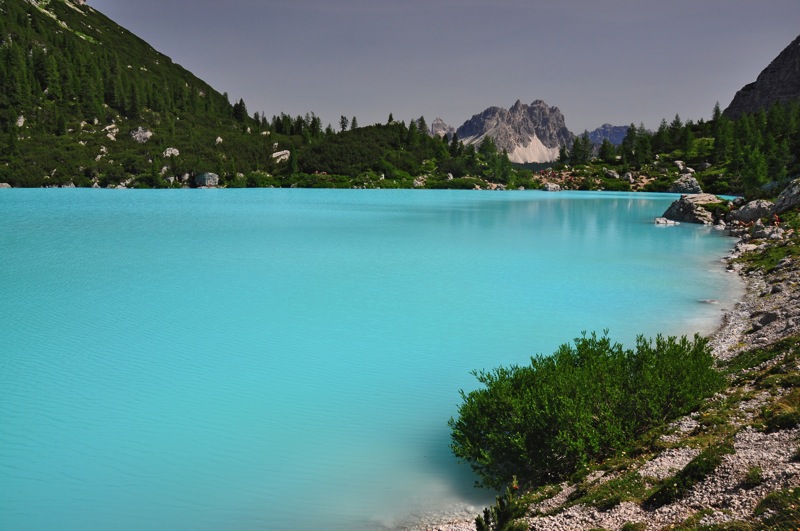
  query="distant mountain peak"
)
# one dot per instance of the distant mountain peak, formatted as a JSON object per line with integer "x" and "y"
{"x": 440, "y": 128}
{"x": 613, "y": 133}
{"x": 778, "y": 82}
{"x": 529, "y": 133}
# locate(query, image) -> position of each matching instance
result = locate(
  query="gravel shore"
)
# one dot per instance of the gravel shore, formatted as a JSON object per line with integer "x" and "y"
{"x": 768, "y": 312}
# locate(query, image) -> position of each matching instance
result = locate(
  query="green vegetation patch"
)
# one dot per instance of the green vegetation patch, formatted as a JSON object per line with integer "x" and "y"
{"x": 719, "y": 210}
{"x": 586, "y": 402}
{"x": 753, "y": 478}
{"x": 627, "y": 487}
{"x": 504, "y": 515}
{"x": 787, "y": 348}
{"x": 780, "y": 509}
{"x": 767, "y": 259}
{"x": 699, "y": 468}
{"x": 785, "y": 413}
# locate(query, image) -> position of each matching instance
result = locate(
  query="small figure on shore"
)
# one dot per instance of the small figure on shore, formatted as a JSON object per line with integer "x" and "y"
{"x": 776, "y": 220}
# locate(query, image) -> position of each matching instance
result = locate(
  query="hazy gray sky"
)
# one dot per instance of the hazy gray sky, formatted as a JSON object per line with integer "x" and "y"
{"x": 612, "y": 61}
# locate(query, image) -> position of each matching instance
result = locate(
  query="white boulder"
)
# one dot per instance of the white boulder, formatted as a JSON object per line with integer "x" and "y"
{"x": 281, "y": 156}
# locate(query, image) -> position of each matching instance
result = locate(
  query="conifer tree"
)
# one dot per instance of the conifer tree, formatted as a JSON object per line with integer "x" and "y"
{"x": 52, "y": 78}
{"x": 628, "y": 146}
{"x": 15, "y": 85}
{"x": 675, "y": 132}
{"x": 422, "y": 127}
{"x": 456, "y": 147}
{"x": 608, "y": 152}
{"x": 643, "y": 150}
{"x": 581, "y": 149}
{"x": 660, "y": 141}
{"x": 754, "y": 171}
{"x": 412, "y": 136}
{"x": 240, "y": 111}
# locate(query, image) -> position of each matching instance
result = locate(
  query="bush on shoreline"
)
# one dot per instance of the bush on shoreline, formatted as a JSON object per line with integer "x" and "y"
{"x": 589, "y": 401}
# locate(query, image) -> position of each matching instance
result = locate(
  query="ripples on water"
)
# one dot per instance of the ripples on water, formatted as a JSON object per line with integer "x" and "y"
{"x": 287, "y": 359}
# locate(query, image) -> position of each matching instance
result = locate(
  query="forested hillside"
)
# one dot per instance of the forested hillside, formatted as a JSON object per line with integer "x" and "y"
{"x": 84, "y": 102}
{"x": 74, "y": 85}
{"x": 754, "y": 155}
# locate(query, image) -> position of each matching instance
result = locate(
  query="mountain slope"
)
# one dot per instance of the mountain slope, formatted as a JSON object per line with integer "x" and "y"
{"x": 529, "y": 133}
{"x": 84, "y": 101}
{"x": 777, "y": 83}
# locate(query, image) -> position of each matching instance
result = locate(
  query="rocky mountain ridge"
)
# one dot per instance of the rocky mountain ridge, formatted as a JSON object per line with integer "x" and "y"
{"x": 777, "y": 83}
{"x": 613, "y": 133}
{"x": 440, "y": 128}
{"x": 529, "y": 133}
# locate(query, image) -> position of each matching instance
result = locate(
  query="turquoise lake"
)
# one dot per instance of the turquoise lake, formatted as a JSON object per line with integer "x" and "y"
{"x": 289, "y": 359}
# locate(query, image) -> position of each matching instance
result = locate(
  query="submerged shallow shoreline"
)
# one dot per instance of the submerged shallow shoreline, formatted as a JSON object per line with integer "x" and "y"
{"x": 767, "y": 311}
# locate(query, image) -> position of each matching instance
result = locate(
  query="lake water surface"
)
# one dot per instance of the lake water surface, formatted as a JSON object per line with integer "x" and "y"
{"x": 288, "y": 359}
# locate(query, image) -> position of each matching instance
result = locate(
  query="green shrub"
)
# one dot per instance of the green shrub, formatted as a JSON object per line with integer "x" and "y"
{"x": 662, "y": 184}
{"x": 615, "y": 185}
{"x": 504, "y": 514}
{"x": 584, "y": 402}
{"x": 753, "y": 478}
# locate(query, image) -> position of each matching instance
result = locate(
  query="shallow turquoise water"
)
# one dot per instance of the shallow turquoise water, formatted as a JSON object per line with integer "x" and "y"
{"x": 288, "y": 359}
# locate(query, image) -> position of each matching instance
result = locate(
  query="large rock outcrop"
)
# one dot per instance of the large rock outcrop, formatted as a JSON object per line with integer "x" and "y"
{"x": 750, "y": 212}
{"x": 690, "y": 209}
{"x": 788, "y": 199}
{"x": 686, "y": 184}
{"x": 779, "y": 82}
{"x": 529, "y": 133}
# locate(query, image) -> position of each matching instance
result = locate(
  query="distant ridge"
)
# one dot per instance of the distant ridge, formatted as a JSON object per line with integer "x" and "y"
{"x": 613, "y": 133}
{"x": 778, "y": 82}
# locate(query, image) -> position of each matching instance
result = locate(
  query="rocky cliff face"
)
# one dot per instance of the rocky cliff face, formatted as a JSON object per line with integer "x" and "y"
{"x": 440, "y": 128}
{"x": 530, "y": 133}
{"x": 779, "y": 82}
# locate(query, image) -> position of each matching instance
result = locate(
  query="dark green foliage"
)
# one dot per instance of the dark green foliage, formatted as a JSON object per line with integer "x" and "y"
{"x": 753, "y": 478}
{"x": 240, "y": 111}
{"x": 628, "y": 487}
{"x": 581, "y": 150}
{"x": 780, "y": 509}
{"x": 785, "y": 413}
{"x": 755, "y": 357}
{"x": 768, "y": 259}
{"x": 751, "y": 155}
{"x": 616, "y": 185}
{"x": 585, "y": 402}
{"x": 694, "y": 472}
{"x": 607, "y": 152}
{"x": 659, "y": 185}
{"x": 502, "y": 515}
